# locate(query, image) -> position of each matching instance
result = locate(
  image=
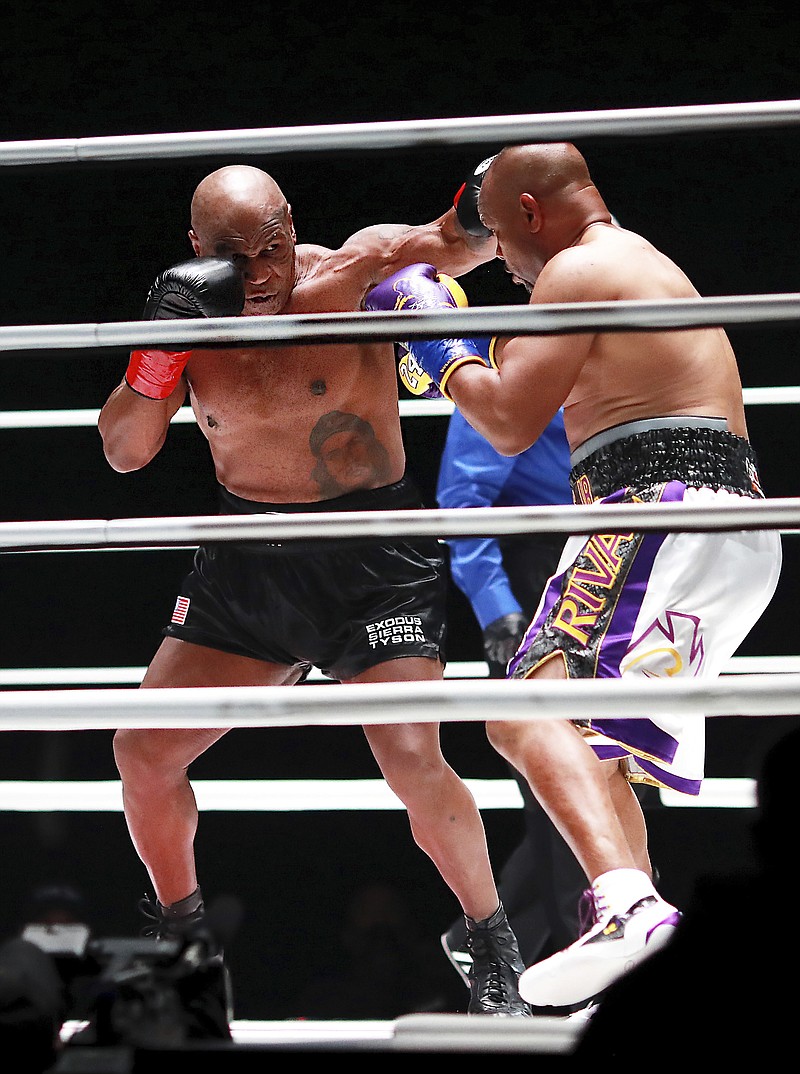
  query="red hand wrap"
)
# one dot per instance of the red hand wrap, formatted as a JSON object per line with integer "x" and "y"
{"x": 155, "y": 374}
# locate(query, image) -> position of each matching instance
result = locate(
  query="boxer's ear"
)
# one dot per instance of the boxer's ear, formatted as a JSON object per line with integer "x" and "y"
{"x": 530, "y": 207}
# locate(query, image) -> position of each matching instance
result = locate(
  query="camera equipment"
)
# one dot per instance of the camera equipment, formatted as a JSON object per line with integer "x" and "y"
{"x": 139, "y": 992}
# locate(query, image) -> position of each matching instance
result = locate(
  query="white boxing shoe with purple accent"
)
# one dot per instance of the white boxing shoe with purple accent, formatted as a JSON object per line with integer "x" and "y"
{"x": 610, "y": 948}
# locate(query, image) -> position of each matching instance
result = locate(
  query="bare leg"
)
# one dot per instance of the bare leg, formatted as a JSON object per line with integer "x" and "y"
{"x": 570, "y": 782}
{"x": 444, "y": 818}
{"x": 599, "y": 817}
{"x": 630, "y": 813}
{"x": 158, "y": 800}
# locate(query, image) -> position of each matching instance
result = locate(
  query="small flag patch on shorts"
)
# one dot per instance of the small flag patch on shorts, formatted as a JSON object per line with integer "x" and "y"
{"x": 181, "y": 608}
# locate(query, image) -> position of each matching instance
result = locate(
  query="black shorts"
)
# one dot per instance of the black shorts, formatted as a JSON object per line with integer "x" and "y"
{"x": 338, "y": 605}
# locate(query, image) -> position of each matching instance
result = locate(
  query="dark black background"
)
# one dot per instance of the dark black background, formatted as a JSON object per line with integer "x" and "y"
{"x": 81, "y": 243}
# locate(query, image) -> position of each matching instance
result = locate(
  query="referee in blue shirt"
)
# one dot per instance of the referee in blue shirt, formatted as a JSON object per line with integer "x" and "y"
{"x": 503, "y": 579}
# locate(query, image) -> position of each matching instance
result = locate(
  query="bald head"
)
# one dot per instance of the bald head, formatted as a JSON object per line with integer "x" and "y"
{"x": 241, "y": 214}
{"x": 537, "y": 199}
{"x": 545, "y": 171}
{"x": 236, "y": 190}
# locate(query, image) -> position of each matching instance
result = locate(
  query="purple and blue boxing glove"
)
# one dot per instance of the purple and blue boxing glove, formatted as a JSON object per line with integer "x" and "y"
{"x": 426, "y": 365}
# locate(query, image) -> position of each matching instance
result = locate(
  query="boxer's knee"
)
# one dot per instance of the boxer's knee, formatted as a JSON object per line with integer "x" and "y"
{"x": 507, "y": 737}
{"x": 143, "y": 754}
{"x": 409, "y": 757}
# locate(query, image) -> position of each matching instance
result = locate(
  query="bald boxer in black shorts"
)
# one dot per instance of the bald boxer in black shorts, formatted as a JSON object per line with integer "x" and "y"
{"x": 293, "y": 428}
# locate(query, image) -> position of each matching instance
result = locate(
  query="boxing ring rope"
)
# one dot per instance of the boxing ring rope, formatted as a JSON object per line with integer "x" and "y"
{"x": 409, "y": 408}
{"x": 408, "y": 134}
{"x": 358, "y": 704}
{"x": 126, "y": 533}
{"x": 132, "y": 675}
{"x": 84, "y": 418}
{"x": 374, "y": 326}
{"x": 315, "y": 795}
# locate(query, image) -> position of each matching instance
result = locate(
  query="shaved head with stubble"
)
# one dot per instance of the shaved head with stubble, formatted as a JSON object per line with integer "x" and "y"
{"x": 241, "y": 214}
{"x": 237, "y": 189}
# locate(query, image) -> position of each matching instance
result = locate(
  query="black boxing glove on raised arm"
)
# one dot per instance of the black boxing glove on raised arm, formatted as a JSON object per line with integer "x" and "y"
{"x": 200, "y": 287}
{"x": 466, "y": 201}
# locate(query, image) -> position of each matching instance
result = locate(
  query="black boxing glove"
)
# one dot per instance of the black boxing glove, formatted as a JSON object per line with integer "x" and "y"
{"x": 501, "y": 639}
{"x": 466, "y": 202}
{"x": 201, "y": 287}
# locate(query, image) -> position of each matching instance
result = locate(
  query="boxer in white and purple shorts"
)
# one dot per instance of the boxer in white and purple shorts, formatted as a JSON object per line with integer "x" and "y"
{"x": 655, "y": 604}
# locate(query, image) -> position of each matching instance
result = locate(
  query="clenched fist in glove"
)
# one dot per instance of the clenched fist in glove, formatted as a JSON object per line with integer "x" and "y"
{"x": 430, "y": 362}
{"x": 466, "y": 201}
{"x": 200, "y": 287}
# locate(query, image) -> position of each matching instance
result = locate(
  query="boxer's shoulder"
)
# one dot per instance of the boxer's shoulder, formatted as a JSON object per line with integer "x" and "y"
{"x": 329, "y": 280}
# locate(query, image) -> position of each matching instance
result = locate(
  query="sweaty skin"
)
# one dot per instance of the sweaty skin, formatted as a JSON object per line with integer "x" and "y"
{"x": 556, "y": 236}
{"x": 291, "y": 424}
{"x": 259, "y": 407}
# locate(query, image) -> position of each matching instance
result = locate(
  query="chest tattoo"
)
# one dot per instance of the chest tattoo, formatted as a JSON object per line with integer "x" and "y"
{"x": 318, "y": 387}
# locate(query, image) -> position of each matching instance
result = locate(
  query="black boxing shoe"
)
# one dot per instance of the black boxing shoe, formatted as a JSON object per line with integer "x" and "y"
{"x": 163, "y": 925}
{"x": 206, "y": 994}
{"x": 495, "y": 969}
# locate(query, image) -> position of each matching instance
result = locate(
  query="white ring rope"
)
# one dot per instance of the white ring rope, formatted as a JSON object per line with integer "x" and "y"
{"x": 256, "y": 795}
{"x": 293, "y": 795}
{"x": 423, "y": 522}
{"x": 358, "y": 704}
{"x": 408, "y": 134}
{"x": 371, "y": 325}
{"x": 456, "y": 669}
{"x": 779, "y": 395}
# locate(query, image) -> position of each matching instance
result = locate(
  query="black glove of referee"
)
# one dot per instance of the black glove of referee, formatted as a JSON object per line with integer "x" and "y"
{"x": 501, "y": 640}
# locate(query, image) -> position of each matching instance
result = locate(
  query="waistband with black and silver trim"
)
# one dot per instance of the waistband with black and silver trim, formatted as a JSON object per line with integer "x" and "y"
{"x": 698, "y": 451}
